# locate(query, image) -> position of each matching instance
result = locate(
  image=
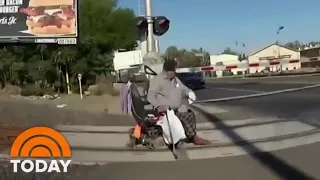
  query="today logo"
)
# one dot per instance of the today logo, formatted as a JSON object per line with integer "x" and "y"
{"x": 42, "y": 144}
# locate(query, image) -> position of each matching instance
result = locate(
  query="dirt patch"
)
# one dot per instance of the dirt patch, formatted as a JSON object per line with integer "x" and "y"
{"x": 92, "y": 110}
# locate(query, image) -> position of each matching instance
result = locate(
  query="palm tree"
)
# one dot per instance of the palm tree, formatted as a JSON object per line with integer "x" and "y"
{"x": 62, "y": 59}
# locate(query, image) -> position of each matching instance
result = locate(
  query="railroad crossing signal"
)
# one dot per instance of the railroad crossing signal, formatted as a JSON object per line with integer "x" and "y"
{"x": 160, "y": 25}
{"x": 142, "y": 26}
{"x": 242, "y": 57}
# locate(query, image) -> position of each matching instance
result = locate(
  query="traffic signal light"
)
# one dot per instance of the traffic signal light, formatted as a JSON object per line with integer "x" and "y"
{"x": 160, "y": 25}
{"x": 142, "y": 26}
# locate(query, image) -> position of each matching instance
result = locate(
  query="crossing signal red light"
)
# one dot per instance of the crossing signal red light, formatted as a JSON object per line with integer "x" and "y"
{"x": 160, "y": 25}
{"x": 142, "y": 26}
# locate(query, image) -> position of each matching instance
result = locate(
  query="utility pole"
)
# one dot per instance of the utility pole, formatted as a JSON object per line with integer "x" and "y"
{"x": 149, "y": 17}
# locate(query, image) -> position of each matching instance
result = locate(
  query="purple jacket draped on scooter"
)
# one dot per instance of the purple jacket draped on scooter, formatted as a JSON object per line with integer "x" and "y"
{"x": 125, "y": 98}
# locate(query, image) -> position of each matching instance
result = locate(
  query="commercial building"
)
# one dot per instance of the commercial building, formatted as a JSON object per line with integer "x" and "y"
{"x": 271, "y": 53}
{"x": 225, "y": 60}
{"x": 310, "y": 52}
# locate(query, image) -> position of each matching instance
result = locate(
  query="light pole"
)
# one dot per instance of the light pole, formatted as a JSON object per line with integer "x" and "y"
{"x": 278, "y": 32}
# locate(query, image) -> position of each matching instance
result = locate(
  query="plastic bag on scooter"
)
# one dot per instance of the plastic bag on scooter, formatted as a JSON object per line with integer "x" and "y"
{"x": 175, "y": 127}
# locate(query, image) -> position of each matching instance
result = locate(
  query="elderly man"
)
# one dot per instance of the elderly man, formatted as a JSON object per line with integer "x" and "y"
{"x": 166, "y": 90}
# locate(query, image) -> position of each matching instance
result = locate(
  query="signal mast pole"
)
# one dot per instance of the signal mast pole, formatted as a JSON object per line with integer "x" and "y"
{"x": 149, "y": 17}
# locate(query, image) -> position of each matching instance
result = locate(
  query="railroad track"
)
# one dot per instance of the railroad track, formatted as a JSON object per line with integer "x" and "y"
{"x": 187, "y": 146}
{"x": 105, "y": 153}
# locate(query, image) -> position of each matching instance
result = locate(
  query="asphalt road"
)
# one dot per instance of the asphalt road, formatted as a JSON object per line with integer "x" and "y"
{"x": 302, "y": 104}
{"x": 223, "y": 90}
{"x": 284, "y": 79}
{"x": 297, "y": 163}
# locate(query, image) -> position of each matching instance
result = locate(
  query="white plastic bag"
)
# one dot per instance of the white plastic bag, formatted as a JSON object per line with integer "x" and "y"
{"x": 191, "y": 97}
{"x": 176, "y": 128}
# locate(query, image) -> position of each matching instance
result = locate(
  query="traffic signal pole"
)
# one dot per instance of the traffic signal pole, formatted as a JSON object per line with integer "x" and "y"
{"x": 150, "y": 40}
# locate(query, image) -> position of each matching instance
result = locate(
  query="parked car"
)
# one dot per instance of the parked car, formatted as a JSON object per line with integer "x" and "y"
{"x": 193, "y": 80}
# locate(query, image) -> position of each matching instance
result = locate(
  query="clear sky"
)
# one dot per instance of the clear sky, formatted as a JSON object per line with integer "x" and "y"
{"x": 217, "y": 24}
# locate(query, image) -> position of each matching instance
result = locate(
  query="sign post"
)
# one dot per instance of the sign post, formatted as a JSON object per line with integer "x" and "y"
{"x": 80, "y": 85}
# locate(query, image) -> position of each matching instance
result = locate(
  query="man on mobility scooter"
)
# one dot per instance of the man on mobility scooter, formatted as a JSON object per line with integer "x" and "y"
{"x": 166, "y": 90}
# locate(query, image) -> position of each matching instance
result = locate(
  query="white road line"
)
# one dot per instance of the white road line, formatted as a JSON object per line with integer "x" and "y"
{"x": 259, "y": 94}
{"x": 244, "y": 90}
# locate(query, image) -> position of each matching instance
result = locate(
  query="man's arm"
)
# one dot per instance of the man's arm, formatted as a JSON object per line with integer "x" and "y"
{"x": 154, "y": 89}
{"x": 184, "y": 88}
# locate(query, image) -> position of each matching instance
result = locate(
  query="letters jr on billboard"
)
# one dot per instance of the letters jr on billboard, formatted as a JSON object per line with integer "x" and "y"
{"x": 40, "y": 149}
{"x": 38, "y": 19}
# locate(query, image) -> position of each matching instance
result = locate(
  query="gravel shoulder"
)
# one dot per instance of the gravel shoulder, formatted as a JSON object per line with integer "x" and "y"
{"x": 92, "y": 110}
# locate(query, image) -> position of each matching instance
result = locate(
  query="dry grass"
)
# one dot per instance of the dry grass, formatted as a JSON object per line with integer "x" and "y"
{"x": 92, "y": 110}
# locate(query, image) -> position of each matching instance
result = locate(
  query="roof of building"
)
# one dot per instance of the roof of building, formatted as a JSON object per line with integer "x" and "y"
{"x": 272, "y": 45}
{"x": 310, "y": 48}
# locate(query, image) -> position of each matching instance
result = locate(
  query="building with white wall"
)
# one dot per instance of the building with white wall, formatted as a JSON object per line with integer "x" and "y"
{"x": 226, "y": 60}
{"x": 274, "y": 52}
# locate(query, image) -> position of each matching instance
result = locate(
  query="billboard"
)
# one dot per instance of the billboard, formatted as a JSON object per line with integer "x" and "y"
{"x": 39, "y": 21}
